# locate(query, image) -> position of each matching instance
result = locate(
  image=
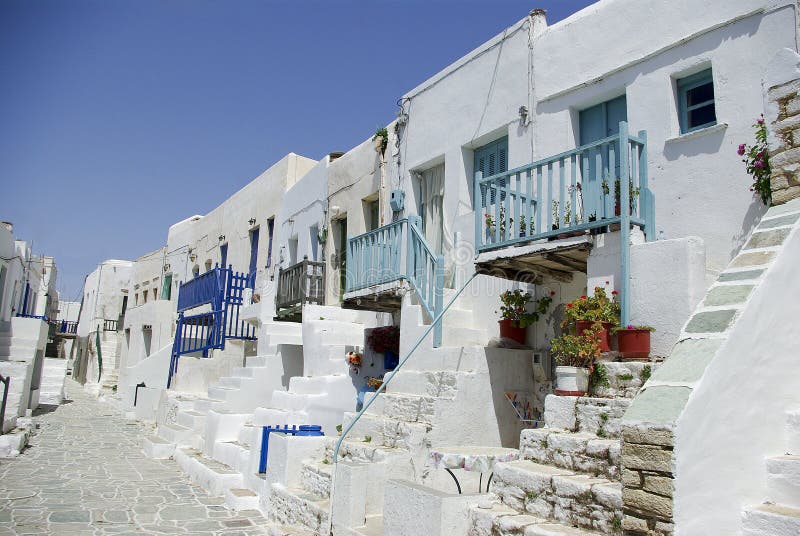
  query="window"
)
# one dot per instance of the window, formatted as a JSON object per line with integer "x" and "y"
{"x": 223, "y": 255}
{"x": 492, "y": 159}
{"x": 696, "y": 101}
{"x": 253, "y": 251}
{"x": 166, "y": 288}
{"x": 270, "y": 232}
{"x": 208, "y": 265}
{"x": 144, "y": 296}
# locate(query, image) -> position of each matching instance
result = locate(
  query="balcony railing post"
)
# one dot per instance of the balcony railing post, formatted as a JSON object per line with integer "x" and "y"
{"x": 625, "y": 220}
{"x": 477, "y": 202}
{"x": 438, "y": 300}
{"x": 6, "y": 381}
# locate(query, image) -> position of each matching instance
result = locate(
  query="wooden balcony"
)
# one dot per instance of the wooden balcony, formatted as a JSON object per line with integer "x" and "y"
{"x": 297, "y": 285}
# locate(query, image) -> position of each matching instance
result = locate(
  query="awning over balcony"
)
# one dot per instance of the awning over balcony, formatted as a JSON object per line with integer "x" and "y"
{"x": 536, "y": 262}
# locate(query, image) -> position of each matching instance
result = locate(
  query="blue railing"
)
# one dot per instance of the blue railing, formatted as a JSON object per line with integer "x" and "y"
{"x": 68, "y": 326}
{"x": 204, "y": 289}
{"x": 37, "y": 317}
{"x": 223, "y": 289}
{"x": 394, "y": 252}
{"x": 570, "y": 192}
{"x": 303, "y": 430}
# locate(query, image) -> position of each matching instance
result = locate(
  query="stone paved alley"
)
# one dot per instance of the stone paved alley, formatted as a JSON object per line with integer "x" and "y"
{"x": 84, "y": 473}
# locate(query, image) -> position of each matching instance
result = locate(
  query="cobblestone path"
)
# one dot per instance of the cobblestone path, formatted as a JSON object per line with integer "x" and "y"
{"x": 84, "y": 473}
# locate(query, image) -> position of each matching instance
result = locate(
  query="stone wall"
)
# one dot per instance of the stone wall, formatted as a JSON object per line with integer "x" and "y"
{"x": 785, "y": 143}
{"x": 648, "y": 479}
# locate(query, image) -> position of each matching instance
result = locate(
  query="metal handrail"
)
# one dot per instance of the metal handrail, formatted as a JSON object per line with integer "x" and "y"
{"x": 5, "y": 380}
{"x": 387, "y": 379}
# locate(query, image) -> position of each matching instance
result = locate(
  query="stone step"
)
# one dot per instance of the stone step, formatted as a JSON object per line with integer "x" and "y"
{"x": 246, "y": 372}
{"x": 157, "y": 448}
{"x": 373, "y": 526}
{"x": 293, "y": 506}
{"x": 233, "y": 454}
{"x": 192, "y": 419}
{"x": 387, "y": 432}
{"x": 793, "y": 431}
{"x": 287, "y": 530}
{"x": 771, "y": 520}
{"x": 560, "y": 495}
{"x": 231, "y": 382}
{"x": 316, "y": 477}
{"x": 783, "y": 480}
{"x": 404, "y": 407}
{"x": 211, "y": 475}
{"x": 241, "y": 499}
{"x": 203, "y": 405}
{"x": 175, "y": 433}
{"x": 457, "y": 337}
{"x": 249, "y": 435}
{"x": 440, "y": 384}
{"x": 360, "y": 452}
{"x": 221, "y": 393}
{"x": 579, "y": 451}
{"x": 500, "y": 520}
{"x": 592, "y": 415}
{"x": 625, "y": 378}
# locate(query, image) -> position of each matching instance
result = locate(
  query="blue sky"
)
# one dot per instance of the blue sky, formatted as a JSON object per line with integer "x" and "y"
{"x": 119, "y": 118}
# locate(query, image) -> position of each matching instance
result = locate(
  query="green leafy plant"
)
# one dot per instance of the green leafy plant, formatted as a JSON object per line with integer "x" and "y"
{"x": 596, "y": 308}
{"x": 626, "y": 377}
{"x": 756, "y": 161}
{"x": 631, "y": 327}
{"x": 383, "y": 135}
{"x": 339, "y": 428}
{"x": 644, "y": 375}
{"x": 514, "y": 307}
{"x": 367, "y": 439}
{"x": 325, "y": 461}
{"x": 577, "y": 350}
{"x": 567, "y": 213}
{"x": 555, "y": 214}
{"x": 531, "y": 496}
{"x": 599, "y": 378}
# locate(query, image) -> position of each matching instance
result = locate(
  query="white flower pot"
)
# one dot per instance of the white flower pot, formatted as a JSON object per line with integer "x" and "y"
{"x": 572, "y": 381}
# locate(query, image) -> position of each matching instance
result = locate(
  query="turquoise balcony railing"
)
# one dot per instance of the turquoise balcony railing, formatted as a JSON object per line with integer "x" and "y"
{"x": 398, "y": 251}
{"x": 570, "y": 192}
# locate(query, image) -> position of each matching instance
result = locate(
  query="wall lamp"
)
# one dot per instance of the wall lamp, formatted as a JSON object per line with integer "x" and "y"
{"x": 222, "y": 236}
{"x": 251, "y": 221}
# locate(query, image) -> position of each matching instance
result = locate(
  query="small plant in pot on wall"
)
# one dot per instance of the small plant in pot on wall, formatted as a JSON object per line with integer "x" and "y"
{"x": 515, "y": 317}
{"x": 354, "y": 359}
{"x": 634, "y": 342}
{"x": 575, "y": 355}
{"x": 588, "y": 311}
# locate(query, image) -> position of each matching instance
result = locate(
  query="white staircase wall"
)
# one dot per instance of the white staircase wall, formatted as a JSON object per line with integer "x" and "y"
{"x": 153, "y": 371}
{"x": 51, "y": 387}
{"x": 735, "y": 416}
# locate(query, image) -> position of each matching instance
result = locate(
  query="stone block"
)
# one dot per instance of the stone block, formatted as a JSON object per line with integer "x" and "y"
{"x": 608, "y": 495}
{"x": 756, "y": 258}
{"x": 739, "y": 276}
{"x": 790, "y": 156}
{"x": 661, "y": 485}
{"x": 647, "y": 503}
{"x": 710, "y": 321}
{"x": 688, "y": 360}
{"x": 780, "y": 197}
{"x": 634, "y": 524}
{"x": 767, "y": 239}
{"x": 788, "y": 219}
{"x": 784, "y": 125}
{"x": 631, "y": 479}
{"x": 646, "y": 457}
{"x": 728, "y": 295}
{"x": 659, "y": 405}
{"x": 783, "y": 91}
{"x": 559, "y": 412}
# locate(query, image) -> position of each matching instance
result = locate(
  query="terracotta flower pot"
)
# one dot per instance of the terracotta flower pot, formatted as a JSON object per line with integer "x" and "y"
{"x": 510, "y": 332}
{"x": 572, "y": 381}
{"x": 634, "y": 343}
{"x": 605, "y": 333}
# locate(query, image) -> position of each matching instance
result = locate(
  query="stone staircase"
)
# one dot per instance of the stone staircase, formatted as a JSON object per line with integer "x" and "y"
{"x": 51, "y": 388}
{"x": 20, "y": 341}
{"x": 779, "y": 515}
{"x": 568, "y": 480}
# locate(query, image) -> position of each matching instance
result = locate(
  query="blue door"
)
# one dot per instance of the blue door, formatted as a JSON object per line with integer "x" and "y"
{"x": 253, "y": 251}
{"x": 603, "y": 120}
{"x": 596, "y": 123}
{"x": 492, "y": 159}
{"x": 223, "y": 253}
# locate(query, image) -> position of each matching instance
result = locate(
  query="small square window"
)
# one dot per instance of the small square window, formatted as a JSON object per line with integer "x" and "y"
{"x": 696, "y": 101}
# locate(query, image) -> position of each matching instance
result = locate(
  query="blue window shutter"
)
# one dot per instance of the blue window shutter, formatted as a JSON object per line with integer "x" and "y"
{"x": 492, "y": 159}
{"x": 253, "y": 250}
{"x": 270, "y": 231}
{"x": 223, "y": 253}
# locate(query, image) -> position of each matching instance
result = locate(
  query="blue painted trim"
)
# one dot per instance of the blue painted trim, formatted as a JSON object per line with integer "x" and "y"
{"x": 685, "y": 85}
{"x": 625, "y": 221}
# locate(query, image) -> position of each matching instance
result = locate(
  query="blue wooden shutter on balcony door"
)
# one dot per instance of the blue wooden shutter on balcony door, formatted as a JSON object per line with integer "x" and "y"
{"x": 253, "y": 251}
{"x": 271, "y": 232}
{"x": 599, "y": 122}
{"x": 491, "y": 159}
{"x": 223, "y": 254}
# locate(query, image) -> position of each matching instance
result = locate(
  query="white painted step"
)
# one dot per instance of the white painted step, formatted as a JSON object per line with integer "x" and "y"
{"x": 771, "y": 520}
{"x": 157, "y": 448}
{"x": 209, "y": 474}
{"x": 297, "y": 507}
{"x": 580, "y": 451}
{"x": 316, "y": 477}
{"x": 288, "y": 530}
{"x": 175, "y": 433}
{"x": 241, "y": 499}
{"x": 203, "y": 405}
{"x": 783, "y": 480}
{"x": 192, "y": 419}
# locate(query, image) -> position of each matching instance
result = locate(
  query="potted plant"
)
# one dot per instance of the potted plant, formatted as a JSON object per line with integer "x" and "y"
{"x": 374, "y": 382}
{"x": 575, "y": 355}
{"x": 633, "y": 194}
{"x": 354, "y": 360}
{"x": 634, "y": 341}
{"x": 515, "y": 317}
{"x": 586, "y": 311}
{"x": 386, "y": 341}
{"x": 381, "y": 139}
